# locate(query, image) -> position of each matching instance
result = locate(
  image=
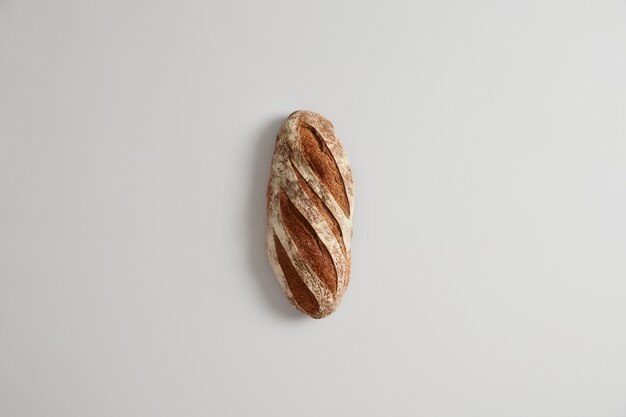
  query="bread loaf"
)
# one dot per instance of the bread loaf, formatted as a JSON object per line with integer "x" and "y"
{"x": 310, "y": 202}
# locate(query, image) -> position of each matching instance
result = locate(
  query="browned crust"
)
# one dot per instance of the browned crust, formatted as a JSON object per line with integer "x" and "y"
{"x": 323, "y": 210}
{"x": 308, "y": 243}
{"x": 323, "y": 164}
{"x": 302, "y": 296}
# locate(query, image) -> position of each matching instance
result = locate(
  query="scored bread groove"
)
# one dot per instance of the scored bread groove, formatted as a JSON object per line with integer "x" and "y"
{"x": 324, "y": 211}
{"x": 305, "y": 206}
{"x": 308, "y": 243}
{"x": 312, "y": 281}
{"x": 310, "y": 203}
{"x": 323, "y": 163}
{"x": 301, "y": 293}
{"x": 328, "y": 199}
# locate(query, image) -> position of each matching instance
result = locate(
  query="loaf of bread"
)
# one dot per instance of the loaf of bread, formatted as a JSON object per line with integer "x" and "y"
{"x": 310, "y": 202}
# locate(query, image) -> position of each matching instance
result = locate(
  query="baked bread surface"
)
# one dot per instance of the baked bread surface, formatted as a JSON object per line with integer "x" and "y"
{"x": 310, "y": 202}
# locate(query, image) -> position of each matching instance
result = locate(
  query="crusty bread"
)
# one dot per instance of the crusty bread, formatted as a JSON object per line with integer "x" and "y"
{"x": 310, "y": 202}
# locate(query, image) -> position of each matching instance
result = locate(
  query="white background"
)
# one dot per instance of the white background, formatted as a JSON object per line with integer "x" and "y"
{"x": 488, "y": 142}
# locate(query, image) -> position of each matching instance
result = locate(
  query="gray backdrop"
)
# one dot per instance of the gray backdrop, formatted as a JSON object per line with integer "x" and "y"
{"x": 488, "y": 142}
